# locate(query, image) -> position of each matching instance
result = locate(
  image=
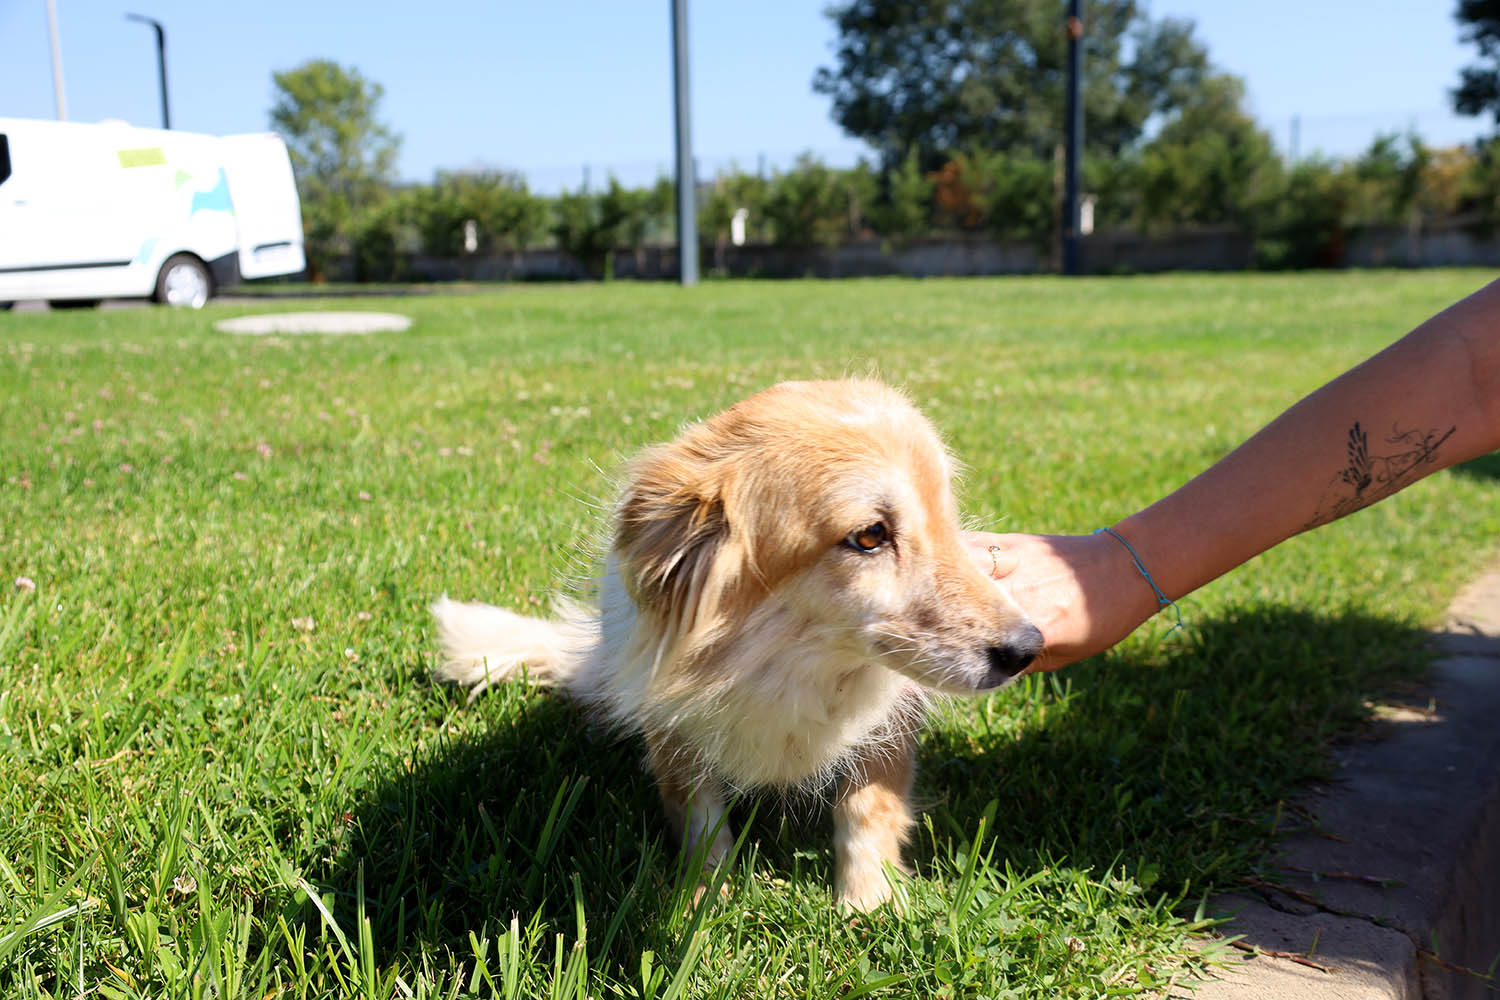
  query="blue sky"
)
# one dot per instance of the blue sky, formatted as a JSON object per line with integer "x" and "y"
{"x": 550, "y": 87}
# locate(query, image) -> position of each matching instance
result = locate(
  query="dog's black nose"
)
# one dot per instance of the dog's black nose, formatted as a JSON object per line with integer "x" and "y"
{"x": 1014, "y": 655}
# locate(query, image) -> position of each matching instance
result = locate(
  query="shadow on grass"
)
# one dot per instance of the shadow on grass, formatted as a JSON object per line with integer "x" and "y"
{"x": 1483, "y": 467}
{"x": 1168, "y": 763}
{"x": 1165, "y": 762}
{"x": 535, "y": 815}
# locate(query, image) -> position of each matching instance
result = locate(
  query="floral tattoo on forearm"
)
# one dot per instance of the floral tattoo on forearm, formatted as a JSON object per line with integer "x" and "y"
{"x": 1370, "y": 477}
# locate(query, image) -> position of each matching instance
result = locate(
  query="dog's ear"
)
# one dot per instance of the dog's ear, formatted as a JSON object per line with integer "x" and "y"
{"x": 674, "y": 542}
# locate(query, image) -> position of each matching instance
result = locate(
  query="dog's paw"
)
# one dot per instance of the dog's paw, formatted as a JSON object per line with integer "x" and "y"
{"x": 700, "y": 892}
{"x": 869, "y": 888}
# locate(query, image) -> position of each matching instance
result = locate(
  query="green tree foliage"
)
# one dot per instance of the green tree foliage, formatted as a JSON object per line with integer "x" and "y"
{"x": 591, "y": 227}
{"x": 375, "y": 237}
{"x": 1390, "y": 176}
{"x": 644, "y": 212}
{"x": 1479, "y": 187}
{"x": 1007, "y": 196}
{"x": 342, "y": 154}
{"x": 907, "y": 208}
{"x": 1446, "y": 181}
{"x": 506, "y": 216}
{"x": 1016, "y": 195}
{"x": 1209, "y": 163}
{"x": 814, "y": 204}
{"x": 732, "y": 191}
{"x": 1478, "y": 90}
{"x": 1306, "y": 224}
{"x": 944, "y": 75}
{"x": 1205, "y": 162}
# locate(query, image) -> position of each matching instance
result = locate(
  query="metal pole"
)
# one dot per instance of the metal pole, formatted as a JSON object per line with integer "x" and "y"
{"x": 1072, "y": 168}
{"x": 57, "y": 73}
{"x": 687, "y": 183}
{"x": 161, "y": 63}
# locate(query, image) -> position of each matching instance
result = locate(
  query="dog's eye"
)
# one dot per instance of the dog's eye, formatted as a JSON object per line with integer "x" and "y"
{"x": 868, "y": 538}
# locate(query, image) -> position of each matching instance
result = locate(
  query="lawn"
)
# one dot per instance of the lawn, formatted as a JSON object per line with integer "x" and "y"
{"x": 228, "y": 774}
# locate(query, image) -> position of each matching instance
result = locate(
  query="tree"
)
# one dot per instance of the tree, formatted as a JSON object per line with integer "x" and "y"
{"x": 590, "y": 227}
{"x": 906, "y": 209}
{"x": 1480, "y": 188}
{"x": 645, "y": 212}
{"x": 1478, "y": 90}
{"x": 1017, "y": 195}
{"x": 343, "y": 156}
{"x": 1209, "y": 163}
{"x": 731, "y": 192}
{"x": 376, "y": 235}
{"x": 505, "y": 214}
{"x": 1304, "y": 226}
{"x": 814, "y": 204}
{"x": 1444, "y": 179}
{"x": 1390, "y": 175}
{"x": 947, "y": 75}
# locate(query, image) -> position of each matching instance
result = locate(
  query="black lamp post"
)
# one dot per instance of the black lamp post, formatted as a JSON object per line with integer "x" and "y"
{"x": 161, "y": 63}
{"x": 1073, "y": 168}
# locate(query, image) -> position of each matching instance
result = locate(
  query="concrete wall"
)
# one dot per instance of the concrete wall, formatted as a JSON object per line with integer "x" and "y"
{"x": 1457, "y": 242}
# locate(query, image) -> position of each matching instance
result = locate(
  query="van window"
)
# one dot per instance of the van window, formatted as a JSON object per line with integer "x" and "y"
{"x": 4, "y": 158}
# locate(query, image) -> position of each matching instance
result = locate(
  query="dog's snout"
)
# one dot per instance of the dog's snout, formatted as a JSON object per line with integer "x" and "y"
{"x": 1013, "y": 655}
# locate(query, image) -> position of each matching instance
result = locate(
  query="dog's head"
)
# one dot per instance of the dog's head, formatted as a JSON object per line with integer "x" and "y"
{"x": 830, "y": 501}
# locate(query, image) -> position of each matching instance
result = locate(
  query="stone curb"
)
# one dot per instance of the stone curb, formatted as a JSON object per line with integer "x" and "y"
{"x": 1412, "y": 823}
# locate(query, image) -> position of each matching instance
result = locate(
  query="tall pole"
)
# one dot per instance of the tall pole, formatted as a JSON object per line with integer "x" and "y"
{"x": 1072, "y": 168}
{"x": 57, "y": 74}
{"x": 161, "y": 63}
{"x": 687, "y": 183}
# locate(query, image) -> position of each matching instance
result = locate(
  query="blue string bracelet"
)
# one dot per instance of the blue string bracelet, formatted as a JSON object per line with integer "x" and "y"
{"x": 1162, "y": 600}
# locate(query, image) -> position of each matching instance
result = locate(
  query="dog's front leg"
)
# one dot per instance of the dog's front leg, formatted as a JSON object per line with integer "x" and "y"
{"x": 693, "y": 799}
{"x": 871, "y": 822}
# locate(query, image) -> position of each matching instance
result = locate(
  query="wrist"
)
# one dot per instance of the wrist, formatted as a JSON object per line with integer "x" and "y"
{"x": 1142, "y": 594}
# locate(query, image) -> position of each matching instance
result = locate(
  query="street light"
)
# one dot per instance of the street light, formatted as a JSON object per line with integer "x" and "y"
{"x": 687, "y": 180}
{"x": 57, "y": 73}
{"x": 161, "y": 63}
{"x": 1071, "y": 175}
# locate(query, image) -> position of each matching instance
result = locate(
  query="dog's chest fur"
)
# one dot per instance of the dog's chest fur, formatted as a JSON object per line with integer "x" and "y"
{"x": 789, "y": 703}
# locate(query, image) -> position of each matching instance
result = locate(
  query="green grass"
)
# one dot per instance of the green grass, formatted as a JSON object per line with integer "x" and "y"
{"x": 206, "y": 794}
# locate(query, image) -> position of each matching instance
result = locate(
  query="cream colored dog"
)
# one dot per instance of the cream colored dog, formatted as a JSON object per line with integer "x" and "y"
{"x": 786, "y": 586}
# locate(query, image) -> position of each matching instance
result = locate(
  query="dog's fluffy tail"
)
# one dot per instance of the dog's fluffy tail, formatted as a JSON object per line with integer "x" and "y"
{"x": 484, "y": 645}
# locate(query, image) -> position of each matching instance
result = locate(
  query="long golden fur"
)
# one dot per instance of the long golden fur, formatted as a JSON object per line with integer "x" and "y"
{"x": 785, "y": 587}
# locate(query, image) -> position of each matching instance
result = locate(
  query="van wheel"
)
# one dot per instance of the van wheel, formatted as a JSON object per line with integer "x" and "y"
{"x": 184, "y": 281}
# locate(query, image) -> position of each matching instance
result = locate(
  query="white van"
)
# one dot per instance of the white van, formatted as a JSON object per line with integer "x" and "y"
{"x": 95, "y": 211}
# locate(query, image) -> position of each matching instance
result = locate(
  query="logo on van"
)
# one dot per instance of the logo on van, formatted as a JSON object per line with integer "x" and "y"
{"x": 215, "y": 199}
{"x": 150, "y": 157}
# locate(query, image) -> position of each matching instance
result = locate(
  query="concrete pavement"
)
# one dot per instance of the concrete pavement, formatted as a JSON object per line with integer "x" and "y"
{"x": 1401, "y": 881}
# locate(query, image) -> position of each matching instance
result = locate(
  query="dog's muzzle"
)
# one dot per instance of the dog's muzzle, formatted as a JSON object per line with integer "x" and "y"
{"x": 1012, "y": 656}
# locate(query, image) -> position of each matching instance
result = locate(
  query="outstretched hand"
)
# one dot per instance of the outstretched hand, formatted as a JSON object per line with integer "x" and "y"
{"x": 1082, "y": 591}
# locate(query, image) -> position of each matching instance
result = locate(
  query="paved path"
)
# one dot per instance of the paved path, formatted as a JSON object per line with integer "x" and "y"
{"x": 1414, "y": 816}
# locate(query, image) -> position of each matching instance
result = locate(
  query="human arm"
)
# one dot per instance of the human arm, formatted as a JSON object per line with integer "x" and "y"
{"x": 1430, "y": 400}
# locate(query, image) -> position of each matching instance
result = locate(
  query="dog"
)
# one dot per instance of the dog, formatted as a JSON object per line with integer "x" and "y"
{"x": 785, "y": 591}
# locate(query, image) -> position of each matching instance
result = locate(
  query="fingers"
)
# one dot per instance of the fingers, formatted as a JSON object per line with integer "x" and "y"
{"x": 1068, "y": 586}
{"x": 994, "y": 554}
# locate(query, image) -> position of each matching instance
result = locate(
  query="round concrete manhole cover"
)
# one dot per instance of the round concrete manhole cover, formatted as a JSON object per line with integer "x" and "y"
{"x": 335, "y": 323}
